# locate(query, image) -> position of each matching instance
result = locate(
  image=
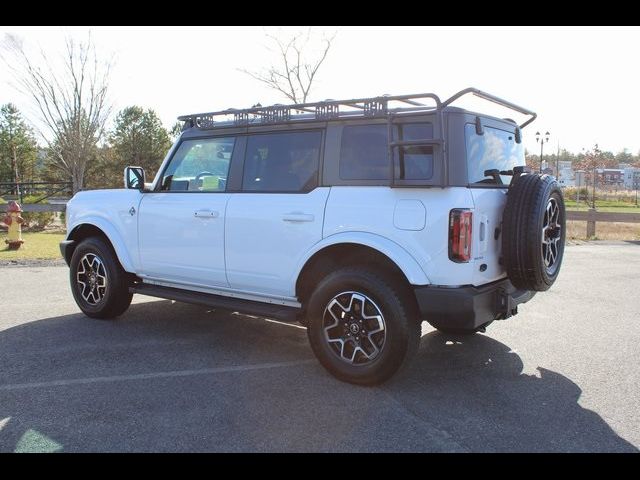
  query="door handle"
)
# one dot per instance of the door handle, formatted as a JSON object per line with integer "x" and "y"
{"x": 297, "y": 217}
{"x": 484, "y": 229}
{"x": 206, "y": 214}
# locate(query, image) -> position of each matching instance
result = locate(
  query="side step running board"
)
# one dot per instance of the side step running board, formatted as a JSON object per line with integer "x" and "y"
{"x": 280, "y": 312}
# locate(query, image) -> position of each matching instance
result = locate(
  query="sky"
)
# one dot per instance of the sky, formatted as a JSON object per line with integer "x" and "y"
{"x": 582, "y": 81}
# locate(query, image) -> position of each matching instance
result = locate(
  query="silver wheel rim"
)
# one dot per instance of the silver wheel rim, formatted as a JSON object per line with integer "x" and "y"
{"x": 91, "y": 279}
{"x": 354, "y": 328}
{"x": 551, "y": 236}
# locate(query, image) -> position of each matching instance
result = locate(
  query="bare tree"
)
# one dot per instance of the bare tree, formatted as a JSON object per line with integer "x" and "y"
{"x": 70, "y": 98}
{"x": 297, "y": 66}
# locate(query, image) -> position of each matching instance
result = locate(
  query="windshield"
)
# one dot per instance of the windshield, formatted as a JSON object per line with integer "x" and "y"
{"x": 495, "y": 149}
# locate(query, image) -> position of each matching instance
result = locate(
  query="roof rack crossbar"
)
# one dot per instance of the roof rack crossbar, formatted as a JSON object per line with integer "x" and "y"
{"x": 328, "y": 109}
{"x": 494, "y": 99}
{"x": 331, "y": 109}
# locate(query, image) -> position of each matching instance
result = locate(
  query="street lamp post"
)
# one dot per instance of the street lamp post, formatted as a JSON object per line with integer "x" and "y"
{"x": 542, "y": 139}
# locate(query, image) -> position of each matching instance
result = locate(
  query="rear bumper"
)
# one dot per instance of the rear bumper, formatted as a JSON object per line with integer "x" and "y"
{"x": 470, "y": 307}
{"x": 66, "y": 247}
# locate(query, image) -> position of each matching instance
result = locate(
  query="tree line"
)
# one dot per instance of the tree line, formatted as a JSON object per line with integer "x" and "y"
{"x": 136, "y": 138}
{"x": 585, "y": 160}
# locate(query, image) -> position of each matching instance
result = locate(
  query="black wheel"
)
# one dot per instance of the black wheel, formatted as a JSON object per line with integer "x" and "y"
{"x": 362, "y": 328}
{"x": 98, "y": 282}
{"x": 533, "y": 232}
{"x": 463, "y": 331}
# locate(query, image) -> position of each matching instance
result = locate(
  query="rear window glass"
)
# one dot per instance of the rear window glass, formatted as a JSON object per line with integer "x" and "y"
{"x": 495, "y": 149}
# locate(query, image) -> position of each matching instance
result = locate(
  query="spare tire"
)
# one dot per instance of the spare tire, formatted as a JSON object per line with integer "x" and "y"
{"x": 533, "y": 232}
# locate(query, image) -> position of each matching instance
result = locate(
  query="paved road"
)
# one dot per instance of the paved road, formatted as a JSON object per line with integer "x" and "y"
{"x": 561, "y": 376}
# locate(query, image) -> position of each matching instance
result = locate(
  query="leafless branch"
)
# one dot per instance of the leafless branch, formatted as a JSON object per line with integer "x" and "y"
{"x": 296, "y": 70}
{"x": 71, "y": 99}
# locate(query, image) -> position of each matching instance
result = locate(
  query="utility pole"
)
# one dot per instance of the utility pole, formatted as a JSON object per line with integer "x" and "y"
{"x": 578, "y": 190}
{"x": 542, "y": 139}
{"x": 593, "y": 195}
{"x": 558, "y": 163}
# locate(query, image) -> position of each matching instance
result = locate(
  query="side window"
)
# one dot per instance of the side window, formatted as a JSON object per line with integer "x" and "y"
{"x": 364, "y": 153}
{"x": 199, "y": 165}
{"x": 282, "y": 162}
{"x": 415, "y": 162}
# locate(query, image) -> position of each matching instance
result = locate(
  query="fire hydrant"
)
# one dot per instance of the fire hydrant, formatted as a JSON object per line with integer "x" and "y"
{"x": 14, "y": 221}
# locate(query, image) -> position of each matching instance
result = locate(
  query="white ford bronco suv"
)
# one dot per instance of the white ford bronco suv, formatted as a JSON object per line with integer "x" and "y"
{"x": 358, "y": 218}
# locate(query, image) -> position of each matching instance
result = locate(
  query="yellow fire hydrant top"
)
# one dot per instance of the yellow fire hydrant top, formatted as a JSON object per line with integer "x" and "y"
{"x": 14, "y": 221}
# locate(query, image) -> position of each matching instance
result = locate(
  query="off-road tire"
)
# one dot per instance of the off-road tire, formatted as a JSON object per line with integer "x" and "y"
{"x": 110, "y": 301}
{"x": 398, "y": 310}
{"x": 523, "y": 232}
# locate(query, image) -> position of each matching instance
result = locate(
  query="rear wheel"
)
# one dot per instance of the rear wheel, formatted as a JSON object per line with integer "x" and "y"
{"x": 99, "y": 283}
{"x": 362, "y": 328}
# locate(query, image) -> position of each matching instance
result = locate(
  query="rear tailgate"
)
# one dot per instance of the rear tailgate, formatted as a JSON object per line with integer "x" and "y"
{"x": 489, "y": 205}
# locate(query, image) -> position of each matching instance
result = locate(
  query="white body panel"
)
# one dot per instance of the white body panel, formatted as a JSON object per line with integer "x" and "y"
{"x": 181, "y": 237}
{"x": 380, "y": 210}
{"x": 489, "y": 205}
{"x": 259, "y": 243}
{"x": 268, "y": 234}
{"x": 110, "y": 211}
{"x": 409, "y": 266}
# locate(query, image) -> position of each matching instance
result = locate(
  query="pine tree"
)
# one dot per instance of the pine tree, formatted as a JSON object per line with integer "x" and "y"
{"x": 18, "y": 147}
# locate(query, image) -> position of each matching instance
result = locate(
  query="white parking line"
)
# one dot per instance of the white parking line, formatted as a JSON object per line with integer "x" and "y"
{"x": 146, "y": 376}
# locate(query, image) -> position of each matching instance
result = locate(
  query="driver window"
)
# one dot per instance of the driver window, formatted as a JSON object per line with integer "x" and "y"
{"x": 199, "y": 165}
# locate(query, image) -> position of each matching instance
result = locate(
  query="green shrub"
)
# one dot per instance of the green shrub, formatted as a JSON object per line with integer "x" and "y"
{"x": 2, "y": 201}
{"x": 36, "y": 220}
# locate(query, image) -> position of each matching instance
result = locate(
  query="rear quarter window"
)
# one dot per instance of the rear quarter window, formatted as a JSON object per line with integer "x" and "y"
{"x": 364, "y": 152}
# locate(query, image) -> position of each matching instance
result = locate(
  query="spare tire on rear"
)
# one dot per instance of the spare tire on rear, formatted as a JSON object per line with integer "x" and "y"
{"x": 533, "y": 232}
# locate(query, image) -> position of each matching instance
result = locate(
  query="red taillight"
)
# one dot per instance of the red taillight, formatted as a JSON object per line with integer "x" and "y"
{"x": 460, "y": 222}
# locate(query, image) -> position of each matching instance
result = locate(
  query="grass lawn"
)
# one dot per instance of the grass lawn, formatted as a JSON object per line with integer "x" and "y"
{"x": 37, "y": 245}
{"x": 604, "y": 231}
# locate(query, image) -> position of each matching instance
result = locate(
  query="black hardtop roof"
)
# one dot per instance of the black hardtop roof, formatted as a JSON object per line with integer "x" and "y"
{"x": 386, "y": 106}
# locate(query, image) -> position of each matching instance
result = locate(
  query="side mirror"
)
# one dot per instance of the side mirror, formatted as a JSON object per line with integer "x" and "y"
{"x": 134, "y": 178}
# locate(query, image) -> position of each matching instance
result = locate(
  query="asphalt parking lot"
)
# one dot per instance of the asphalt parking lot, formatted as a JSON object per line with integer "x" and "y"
{"x": 561, "y": 376}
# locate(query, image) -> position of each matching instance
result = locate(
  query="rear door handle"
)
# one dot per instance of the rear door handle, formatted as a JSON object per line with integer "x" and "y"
{"x": 297, "y": 217}
{"x": 484, "y": 229}
{"x": 206, "y": 214}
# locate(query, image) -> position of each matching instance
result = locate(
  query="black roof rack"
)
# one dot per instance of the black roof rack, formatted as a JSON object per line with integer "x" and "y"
{"x": 335, "y": 109}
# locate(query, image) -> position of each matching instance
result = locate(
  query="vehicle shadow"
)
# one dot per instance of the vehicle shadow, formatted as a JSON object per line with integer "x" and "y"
{"x": 474, "y": 387}
{"x": 466, "y": 393}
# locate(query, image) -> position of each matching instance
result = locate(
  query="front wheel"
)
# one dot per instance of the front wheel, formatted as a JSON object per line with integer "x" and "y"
{"x": 362, "y": 328}
{"x": 98, "y": 281}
